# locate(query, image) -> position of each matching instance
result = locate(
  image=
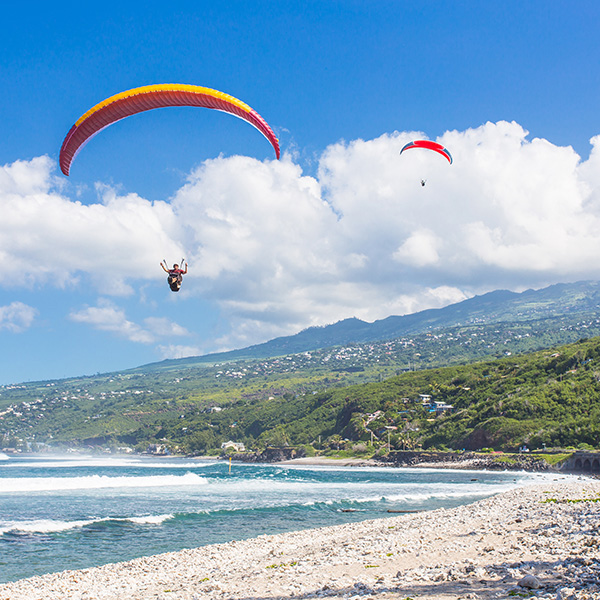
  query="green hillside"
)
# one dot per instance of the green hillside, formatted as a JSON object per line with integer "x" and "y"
{"x": 549, "y": 397}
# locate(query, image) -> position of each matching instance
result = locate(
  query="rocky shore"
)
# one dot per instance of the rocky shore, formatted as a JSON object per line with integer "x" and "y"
{"x": 455, "y": 460}
{"x": 540, "y": 541}
{"x": 466, "y": 460}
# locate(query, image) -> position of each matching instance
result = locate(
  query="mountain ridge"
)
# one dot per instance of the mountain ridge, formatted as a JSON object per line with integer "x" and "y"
{"x": 495, "y": 306}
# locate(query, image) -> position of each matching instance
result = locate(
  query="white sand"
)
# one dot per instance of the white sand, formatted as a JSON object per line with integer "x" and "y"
{"x": 478, "y": 551}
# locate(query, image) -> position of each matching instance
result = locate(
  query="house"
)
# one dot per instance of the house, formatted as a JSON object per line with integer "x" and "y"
{"x": 441, "y": 407}
{"x": 159, "y": 449}
{"x": 434, "y": 406}
{"x": 237, "y": 446}
{"x": 373, "y": 416}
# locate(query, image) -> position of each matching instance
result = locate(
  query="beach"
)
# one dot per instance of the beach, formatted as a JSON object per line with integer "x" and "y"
{"x": 539, "y": 540}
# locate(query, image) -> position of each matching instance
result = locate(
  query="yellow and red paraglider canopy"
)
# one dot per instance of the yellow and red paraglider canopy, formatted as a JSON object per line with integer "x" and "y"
{"x": 149, "y": 97}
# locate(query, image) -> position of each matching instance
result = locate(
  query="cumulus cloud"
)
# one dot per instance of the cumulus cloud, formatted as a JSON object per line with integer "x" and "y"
{"x": 420, "y": 249}
{"x": 107, "y": 316}
{"x": 16, "y": 317}
{"x": 513, "y": 206}
{"x": 50, "y": 238}
{"x": 280, "y": 250}
{"x": 277, "y": 250}
{"x": 163, "y": 327}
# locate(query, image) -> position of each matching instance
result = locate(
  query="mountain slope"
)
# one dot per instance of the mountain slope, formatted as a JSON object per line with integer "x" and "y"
{"x": 498, "y": 306}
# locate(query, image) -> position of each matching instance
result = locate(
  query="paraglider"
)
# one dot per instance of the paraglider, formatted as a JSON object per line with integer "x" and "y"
{"x": 427, "y": 144}
{"x": 149, "y": 97}
{"x": 175, "y": 275}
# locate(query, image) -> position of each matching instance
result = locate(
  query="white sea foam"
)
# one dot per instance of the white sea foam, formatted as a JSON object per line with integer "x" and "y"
{"x": 151, "y": 520}
{"x": 56, "y": 526}
{"x": 146, "y": 520}
{"x": 262, "y": 485}
{"x": 54, "y": 463}
{"x": 46, "y": 484}
{"x": 43, "y": 526}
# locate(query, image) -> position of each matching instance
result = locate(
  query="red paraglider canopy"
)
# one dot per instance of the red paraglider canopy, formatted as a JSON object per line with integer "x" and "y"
{"x": 429, "y": 146}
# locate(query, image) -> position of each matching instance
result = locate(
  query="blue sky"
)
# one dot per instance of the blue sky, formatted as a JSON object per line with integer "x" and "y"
{"x": 340, "y": 227}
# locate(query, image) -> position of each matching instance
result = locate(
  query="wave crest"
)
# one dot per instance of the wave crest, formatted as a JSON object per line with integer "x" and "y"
{"x": 94, "y": 482}
{"x": 56, "y": 526}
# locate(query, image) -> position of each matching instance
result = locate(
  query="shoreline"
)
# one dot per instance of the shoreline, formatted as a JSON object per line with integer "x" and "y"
{"x": 416, "y": 461}
{"x": 540, "y": 535}
{"x": 324, "y": 461}
{"x": 464, "y": 465}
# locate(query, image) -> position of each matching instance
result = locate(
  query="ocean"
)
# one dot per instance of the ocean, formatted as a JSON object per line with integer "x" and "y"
{"x": 74, "y": 512}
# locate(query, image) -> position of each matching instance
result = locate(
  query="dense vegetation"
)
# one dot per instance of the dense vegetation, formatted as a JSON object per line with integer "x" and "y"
{"x": 548, "y": 398}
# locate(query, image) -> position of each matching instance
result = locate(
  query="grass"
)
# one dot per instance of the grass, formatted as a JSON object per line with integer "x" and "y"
{"x": 511, "y": 459}
{"x": 569, "y": 500}
{"x": 292, "y": 564}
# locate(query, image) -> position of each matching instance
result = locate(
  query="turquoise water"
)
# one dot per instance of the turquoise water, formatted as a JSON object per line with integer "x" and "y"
{"x": 77, "y": 512}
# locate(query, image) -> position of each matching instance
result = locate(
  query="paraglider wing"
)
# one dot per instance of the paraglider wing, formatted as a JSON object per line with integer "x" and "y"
{"x": 149, "y": 97}
{"x": 430, "y": 146}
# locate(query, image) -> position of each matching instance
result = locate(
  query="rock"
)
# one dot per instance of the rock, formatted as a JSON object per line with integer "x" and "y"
{"x": 565, "y": 593}
{"x": 530, "y": 582}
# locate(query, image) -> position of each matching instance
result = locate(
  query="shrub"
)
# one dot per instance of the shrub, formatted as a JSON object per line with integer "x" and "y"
{"x": 360, "y": 448}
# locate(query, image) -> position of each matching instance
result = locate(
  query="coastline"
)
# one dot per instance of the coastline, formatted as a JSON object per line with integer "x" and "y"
{"x": 541, "y": 535}
{"x": 463, "y": 465}
{"x": 411, "y": 459}
{"x": 323, "y": 461}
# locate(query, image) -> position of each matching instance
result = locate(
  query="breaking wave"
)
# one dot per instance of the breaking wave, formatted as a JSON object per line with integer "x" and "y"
{"x": 92, "y": 482}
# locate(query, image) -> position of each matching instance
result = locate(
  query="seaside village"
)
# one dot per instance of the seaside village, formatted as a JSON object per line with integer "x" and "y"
{"x": 434, "y": 407}
{"x": 27, "y": 412}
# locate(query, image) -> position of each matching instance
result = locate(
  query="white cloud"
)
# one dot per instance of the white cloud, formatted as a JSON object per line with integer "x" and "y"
{"x": 49, "y": 238}
{"x": 16, "y": 317}
{"x": 163, "y": 327}
{"x": 175, "y": 351}
{"x": 108, "y": 317}
{"x": 256, "y": 218}
{"x": 281, "y": 251}
{"x": 420, "y": 249}
{"x": 276, "y": 250}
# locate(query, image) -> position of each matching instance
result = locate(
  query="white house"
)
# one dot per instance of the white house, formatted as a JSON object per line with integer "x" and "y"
{"x": 237, "y": 446}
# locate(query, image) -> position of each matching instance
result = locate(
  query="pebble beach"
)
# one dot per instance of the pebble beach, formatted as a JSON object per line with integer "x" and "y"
{"x": 541, "y": 541}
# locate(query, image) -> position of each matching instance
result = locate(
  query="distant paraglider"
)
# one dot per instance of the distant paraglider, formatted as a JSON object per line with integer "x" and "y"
{"x": 149, "y": 97}
{"x": 427, "y": 144}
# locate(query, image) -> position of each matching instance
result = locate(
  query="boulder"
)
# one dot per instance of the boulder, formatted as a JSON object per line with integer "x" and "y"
{"x": 530, "y": 582}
